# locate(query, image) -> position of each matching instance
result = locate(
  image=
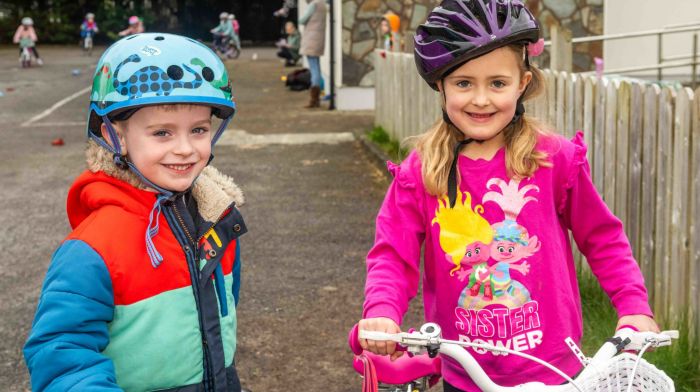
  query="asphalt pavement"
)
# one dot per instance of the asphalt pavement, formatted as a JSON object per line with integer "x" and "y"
{"x": 312, "y": 192}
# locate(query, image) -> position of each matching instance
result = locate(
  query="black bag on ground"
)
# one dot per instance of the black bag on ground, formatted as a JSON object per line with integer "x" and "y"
{"x": 299, "y": 80}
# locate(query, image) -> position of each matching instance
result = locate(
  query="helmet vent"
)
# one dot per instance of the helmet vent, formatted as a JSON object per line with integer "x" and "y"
{"x": 207, "y": 74}
{"x": 159, "y": 38}
{"x": 131, "y": 37}
{"x": 175, "y": 72}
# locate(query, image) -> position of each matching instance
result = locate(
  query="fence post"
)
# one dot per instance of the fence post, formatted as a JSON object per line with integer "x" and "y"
{"x": 695, "y": 61}
{"x": 562, "y": 49}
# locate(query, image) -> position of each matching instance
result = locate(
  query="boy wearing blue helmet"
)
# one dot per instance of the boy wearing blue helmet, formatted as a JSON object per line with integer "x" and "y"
{"x": 142, "y": 294}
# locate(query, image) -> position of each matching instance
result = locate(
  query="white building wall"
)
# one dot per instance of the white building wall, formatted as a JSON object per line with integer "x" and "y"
{"x": 626, "y": 16}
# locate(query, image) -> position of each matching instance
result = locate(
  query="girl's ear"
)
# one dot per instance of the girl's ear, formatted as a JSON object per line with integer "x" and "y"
{"x": 120, "y": 135}
{"x": 438, "y": 83}
{"x": 524, "y": 81}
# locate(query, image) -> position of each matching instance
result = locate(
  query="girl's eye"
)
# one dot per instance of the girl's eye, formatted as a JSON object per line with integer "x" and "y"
{"x": 469, "y": 254}
{"x": 463, "y": 84}
{"x": 200, "y": 130}
{"x": 511, "y": 249}
{"x": 501, "y": 249}
{"x": 498, "y": 83}
{"x": 160, "y": 132}
{"x": 477, "y": 250}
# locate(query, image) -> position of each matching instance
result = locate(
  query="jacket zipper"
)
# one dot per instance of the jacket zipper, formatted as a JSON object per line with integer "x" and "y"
{"x": 223, "y": 214}
{"x": 194, "y": 278}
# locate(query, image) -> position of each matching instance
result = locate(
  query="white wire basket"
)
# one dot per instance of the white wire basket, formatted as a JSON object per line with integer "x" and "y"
{"x": 618, "y": 373}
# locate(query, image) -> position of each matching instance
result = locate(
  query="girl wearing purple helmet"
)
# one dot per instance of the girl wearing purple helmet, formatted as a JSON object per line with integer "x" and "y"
{"x": 486, "y": 166}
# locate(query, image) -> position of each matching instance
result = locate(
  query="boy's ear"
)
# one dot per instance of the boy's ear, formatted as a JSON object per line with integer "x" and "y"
{"x": 120, "y": 135}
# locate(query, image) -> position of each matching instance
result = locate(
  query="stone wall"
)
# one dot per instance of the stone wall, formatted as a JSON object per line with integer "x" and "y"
{"x": 361, "y": 19}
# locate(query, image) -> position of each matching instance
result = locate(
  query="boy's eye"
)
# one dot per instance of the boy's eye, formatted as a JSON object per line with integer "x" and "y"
{"x": 200, "y": 130}
{"x": 498, "y": 83}
{"x": 160, "y": 132}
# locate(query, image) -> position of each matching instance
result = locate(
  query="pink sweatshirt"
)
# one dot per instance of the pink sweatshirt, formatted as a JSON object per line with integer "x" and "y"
{"x": 498, "y": 267}
{"x": 23, "y": 32}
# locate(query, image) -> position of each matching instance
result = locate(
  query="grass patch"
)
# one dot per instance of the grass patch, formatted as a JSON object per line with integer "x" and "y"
{"x": 681, "y": 361}
{"x": 390, "y": 146}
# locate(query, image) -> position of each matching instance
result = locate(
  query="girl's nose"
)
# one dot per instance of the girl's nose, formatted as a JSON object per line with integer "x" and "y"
{"x": 481, "y": 97}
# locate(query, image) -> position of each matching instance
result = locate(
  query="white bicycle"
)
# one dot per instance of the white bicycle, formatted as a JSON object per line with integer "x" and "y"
{"x": 25, "y": 58}
{"x": 609, "y": 370}
{"x": 87, "y": 44}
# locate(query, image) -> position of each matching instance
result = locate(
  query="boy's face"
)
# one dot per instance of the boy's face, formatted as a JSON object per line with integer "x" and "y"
{"x": 169, "y": 147}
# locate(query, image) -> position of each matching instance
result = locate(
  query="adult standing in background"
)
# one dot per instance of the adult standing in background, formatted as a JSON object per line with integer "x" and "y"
{"x": 313, "y": 44}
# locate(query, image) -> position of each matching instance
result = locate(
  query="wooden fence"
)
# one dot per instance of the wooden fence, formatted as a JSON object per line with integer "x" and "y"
{"x": 643, "y": 147}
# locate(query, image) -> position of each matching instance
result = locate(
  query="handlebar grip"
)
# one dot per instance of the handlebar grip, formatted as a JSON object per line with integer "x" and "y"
{"x": 354, "y": 339}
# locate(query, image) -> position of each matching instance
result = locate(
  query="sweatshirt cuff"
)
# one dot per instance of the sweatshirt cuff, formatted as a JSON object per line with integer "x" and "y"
{"x": 632, "y": 307}
{"x": 383, "y": 310}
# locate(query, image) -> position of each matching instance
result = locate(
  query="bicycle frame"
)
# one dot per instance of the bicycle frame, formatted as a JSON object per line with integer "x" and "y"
{"x": 26, "y": 57}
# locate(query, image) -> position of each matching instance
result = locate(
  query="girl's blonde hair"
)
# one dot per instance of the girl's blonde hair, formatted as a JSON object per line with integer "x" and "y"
{"x": 436, "y": 146}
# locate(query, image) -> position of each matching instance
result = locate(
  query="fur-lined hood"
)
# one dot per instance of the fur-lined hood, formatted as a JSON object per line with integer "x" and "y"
{"x": 213, "y": 190}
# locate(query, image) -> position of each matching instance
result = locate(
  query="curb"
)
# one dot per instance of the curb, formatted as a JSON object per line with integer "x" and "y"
{"x": 378, "y": 157}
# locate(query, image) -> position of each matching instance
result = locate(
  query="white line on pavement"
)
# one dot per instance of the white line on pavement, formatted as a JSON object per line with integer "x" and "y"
{"x": 59, "y": 124}
{"x": 242, "y": 138}
{"x": 55, "y": 106}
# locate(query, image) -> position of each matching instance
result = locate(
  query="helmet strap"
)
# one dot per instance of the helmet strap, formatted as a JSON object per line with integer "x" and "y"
{"x": 519, "y": 111}
{"x": 452, "y": 177}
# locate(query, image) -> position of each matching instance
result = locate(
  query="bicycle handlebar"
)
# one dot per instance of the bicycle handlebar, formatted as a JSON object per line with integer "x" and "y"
{"x": 429, "y": 336}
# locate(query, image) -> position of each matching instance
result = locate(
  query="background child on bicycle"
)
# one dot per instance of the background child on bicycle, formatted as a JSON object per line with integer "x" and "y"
{"x": 492, "y": 195}
{"x": 26, "y": 37}
{"x": 235, "y": 31}
{"x": 89, "y": 27}
{"x": 135, "y": 27}
{"x": 223, "y": 31}
{"x": 142, "y": 294}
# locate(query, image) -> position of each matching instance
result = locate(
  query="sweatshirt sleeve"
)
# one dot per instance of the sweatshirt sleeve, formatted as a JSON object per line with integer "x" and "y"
{"x": 600, "y": 236}
{"x": 307, "y": 15}
{"x": 393, "y": 263}
{"x": 69, "y": 333}
{"x": 16, "y": 37}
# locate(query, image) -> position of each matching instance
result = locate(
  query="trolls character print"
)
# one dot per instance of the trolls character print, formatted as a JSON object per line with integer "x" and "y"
{"x": 489, "y": 259}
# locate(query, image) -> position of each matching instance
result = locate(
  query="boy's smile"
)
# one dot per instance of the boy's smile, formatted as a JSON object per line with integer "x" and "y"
{"x": 169, "y": 145}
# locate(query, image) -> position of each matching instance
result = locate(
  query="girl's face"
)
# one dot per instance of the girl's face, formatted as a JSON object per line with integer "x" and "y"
{"x": 169, "y": 147}
{"x": 385, "y": 26}
{"x": 289, "y": 28}
{"x": 482, "y": 94}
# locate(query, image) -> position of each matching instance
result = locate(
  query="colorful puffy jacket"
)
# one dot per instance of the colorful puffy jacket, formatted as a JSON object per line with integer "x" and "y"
{"x": 107, "y": 320}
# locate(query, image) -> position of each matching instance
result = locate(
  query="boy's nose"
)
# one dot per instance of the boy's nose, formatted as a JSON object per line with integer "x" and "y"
{"x": 184, "y": 146}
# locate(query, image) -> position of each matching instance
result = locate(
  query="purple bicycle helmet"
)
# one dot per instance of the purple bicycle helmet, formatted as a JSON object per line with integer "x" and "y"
{"x": 460, "y": 30}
